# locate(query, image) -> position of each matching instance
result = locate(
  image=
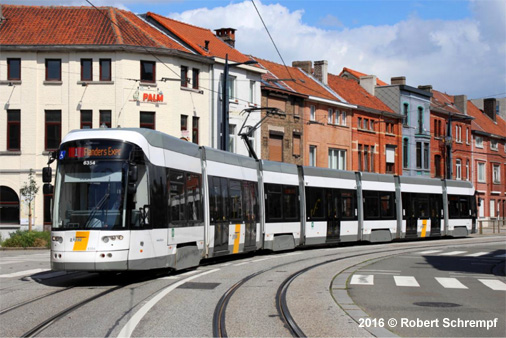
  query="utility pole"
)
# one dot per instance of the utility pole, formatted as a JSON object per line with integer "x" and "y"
{"x": 448, "y": 144}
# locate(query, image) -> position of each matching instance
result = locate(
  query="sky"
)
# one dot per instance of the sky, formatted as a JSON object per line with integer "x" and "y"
{"x": 458, "y": 47}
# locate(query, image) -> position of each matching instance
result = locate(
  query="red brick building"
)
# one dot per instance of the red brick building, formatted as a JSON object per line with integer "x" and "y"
{"x": 376, "y": 129}
{"x": 489, "y": 160}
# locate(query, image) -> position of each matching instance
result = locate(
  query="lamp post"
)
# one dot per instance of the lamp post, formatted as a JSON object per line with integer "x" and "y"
{"x": 223, "y": 123}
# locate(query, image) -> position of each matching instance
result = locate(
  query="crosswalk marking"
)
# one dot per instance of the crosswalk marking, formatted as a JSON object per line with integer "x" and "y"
{"x": 429, "y": 252}
{"x": 406, "y": 281}
{"x": 452, "y": 253}
{"x": 362, "y": 279}
{"x": 451, "y": 283}
{"x": 494, "y": 284}
{"x": 477, "y": 254}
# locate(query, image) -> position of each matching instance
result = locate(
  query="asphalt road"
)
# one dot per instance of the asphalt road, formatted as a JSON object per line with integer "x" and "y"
{"x": 443, "y": 292}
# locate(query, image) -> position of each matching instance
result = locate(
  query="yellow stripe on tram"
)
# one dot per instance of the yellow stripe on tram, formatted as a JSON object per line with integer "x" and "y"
{"x": 81, "y": 240}
{"x": 237, "y": 239}
{"x": 424, "y": 228}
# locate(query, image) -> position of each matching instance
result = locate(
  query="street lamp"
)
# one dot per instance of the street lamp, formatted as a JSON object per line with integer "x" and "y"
{"x": 224, "y": 127}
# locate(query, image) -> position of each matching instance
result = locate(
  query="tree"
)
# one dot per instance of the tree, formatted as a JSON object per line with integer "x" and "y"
{"x": 29, "y": 191}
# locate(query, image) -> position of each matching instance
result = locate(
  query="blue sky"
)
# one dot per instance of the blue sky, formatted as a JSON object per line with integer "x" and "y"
{"x": 458, "y": 47}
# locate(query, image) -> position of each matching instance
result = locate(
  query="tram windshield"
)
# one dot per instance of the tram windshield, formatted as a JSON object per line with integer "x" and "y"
{"x": 91, "y": 196}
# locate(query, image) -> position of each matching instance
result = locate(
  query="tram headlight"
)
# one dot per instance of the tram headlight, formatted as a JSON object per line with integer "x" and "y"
{"x": 106, "y": 239}
{"x": 58, "y": 239}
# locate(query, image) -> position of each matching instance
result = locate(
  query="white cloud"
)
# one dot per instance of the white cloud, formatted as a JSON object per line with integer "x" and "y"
{"x": 459, "y": 57}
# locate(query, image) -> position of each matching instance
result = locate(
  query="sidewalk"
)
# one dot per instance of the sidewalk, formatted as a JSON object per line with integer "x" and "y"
{"x": 489, "y": 231}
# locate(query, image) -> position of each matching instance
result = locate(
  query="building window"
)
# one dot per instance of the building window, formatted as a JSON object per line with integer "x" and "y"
{"x": 252, "y": 96}
{"x": 467, "y": 135}
{"x": 426, "y": 155}
{"x": 195, "y": 78}
{"x": 296, "y": 145}
{"x": 148, "y": 71}
{"x": 467, "y": 170}
{"x": 105, "y": 69}
{"x": 366, "y": 158}
{"x": 195, "y": 130}
{"x": 337, "y": 159}
{"x": 105, "y": 118}
{"x": 359, "y": 123}
{"x": 481, "y": 172}
{"x": 14, "y": 69}
{"x": 231, "y": 87}
{"x": 53, "y": 129}
{"x": 359, "y": 152}
{"x": 14, "y": 130}
{"x": 437, "y": 165}
{"x": 419, "y": 155}
{"x": 494, "y": 145}
{"x": 275, "y": 147}
{"x": 231, "y": 138}
{"x": 312, "y": 113}
{"x": 312, "y": 156}
{"x": 53, "y": 69}
{"x": 405, "y": 113}
{"x": 458, "y": 171}
{"x": 479, "y": 142}
{"x": 458, "y": 133}
{"x": 184, "y": 76}
{"x": 496, "y": 173}
{"x": 371, "y": 125}
{"x": 86, "y": 70}
{"x": 330, "y": 116}
{"x": 147, "y": 120}
{"x": 420, "y": 120}
{"x": 405, "y": 152}
{"x": 389, "y": 159}
{"x": 86, "y": 119}
{"x": 184, "y": 122}
{"x": 9, "y": 206}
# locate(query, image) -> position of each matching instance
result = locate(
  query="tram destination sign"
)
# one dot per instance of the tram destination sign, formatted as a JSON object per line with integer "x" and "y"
{"x": 94, "y": 150}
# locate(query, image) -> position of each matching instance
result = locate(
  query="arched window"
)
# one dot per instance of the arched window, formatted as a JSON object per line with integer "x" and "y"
{"x": 9, "y": 206}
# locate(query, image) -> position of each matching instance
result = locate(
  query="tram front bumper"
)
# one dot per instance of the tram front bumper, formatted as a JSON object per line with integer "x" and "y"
{"x": 89, "y": 261}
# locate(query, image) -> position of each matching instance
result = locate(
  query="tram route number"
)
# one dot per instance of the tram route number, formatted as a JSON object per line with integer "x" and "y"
{"x": 89, "y": 163}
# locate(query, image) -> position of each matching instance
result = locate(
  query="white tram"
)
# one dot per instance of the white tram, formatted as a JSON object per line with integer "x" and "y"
{"x": 137, "y": 199}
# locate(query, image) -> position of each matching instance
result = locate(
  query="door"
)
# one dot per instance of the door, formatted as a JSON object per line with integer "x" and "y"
{"x": 409, "y": 214}
{"x": 436, "y": 204}
{"x": 333, "y": 215}
{"x": 218, "y": 198}
{"x": 250, "y": 214}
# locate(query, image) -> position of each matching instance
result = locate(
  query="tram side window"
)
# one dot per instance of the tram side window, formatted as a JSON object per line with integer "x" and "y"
{"x": 140, "y": 200}
{"x": 290, "y": 202}
{"x": 218, "y": 194}
{"x": 250, "y": 201}
{"x": 177, "y": 198}
{"x": 387, "y": 205}
{"x": 459, "y": 206}
{"x": 371, "y": 205}
{"x": 235, "y": 200}
{"x": 193, "y": 189}
{"x": 315, "y": 203}
{"x": 157, "y": 208}
{"x": 273, "y": 203}
{"x": 348, "y": 204}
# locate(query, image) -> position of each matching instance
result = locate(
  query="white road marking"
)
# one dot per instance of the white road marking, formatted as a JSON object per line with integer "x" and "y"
{"x": 452, "y": 253}
{"x": 406, "y": 281}
{"x": 243, "y": 263}
{"x": 225, "y": 264}
{"x": 362, "y": 280}
{"x": 23, "y": 273}
{"x": 130, "y": 326}
{"x": 10, "y": 262}
{"x": 477, "y": 254}
{"x": 429, "y": 252}
{"x": 262, "y": 259}
{"x": 451, "y": 283}
{"x": 494, "y": 284}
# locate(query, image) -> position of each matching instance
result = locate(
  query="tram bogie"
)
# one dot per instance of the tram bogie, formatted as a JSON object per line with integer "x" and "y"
{"x": 137, "y": 199}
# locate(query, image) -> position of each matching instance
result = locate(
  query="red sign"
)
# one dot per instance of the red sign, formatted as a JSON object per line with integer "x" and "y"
{"x": 152, "y": 97}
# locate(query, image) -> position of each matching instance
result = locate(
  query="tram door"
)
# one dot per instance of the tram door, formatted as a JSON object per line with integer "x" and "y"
{"x": 436, "y": 204}
{"x": 250, "y": 214}
{"x": 219, "y": 210}
{"x": 409, "y": 205}
{"x": 333, "y": 215}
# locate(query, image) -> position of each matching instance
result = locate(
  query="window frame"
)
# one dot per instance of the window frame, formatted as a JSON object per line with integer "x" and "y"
{"x": 195, "y": 78}
{"x": 9, "y": 70}
{"x": 48, "y": 63}
{"x": 184, "y": 76}
{"x": 105, "y": 76}
{"x": 143, "y": 73}
{"x": 11, "y": 123}
{"x": 496, "y": 173}
{"x": 312, "y": 155}
{"x": 147, "y": 125}
{"x": 481, "y": 174}
{"x": 86, "y": 123}
{"x": 83, "y": 78}
{"x": 48, "y": 124}
{"x": 102, "y": 120}
{"x": 312, "y": 112}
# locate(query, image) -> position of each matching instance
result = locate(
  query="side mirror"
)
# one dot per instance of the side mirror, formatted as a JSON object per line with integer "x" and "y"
{"x": 133, "y": 174}
{"x": 47, "y": 174}
{"x": 47, "y": 189}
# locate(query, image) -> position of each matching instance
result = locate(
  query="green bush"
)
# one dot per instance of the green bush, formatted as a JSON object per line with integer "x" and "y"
{"x": 28, "y": 239}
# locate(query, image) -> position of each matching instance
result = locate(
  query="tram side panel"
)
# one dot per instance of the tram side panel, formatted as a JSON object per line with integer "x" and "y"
{"x": 461, "y": 215}
{"x": 282, "y": 225}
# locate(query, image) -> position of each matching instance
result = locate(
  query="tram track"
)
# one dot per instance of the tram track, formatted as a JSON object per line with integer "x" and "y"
{"x": 219, "y": 317}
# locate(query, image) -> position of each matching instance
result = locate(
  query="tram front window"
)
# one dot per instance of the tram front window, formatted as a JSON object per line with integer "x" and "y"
{"x": 91, "y": 196}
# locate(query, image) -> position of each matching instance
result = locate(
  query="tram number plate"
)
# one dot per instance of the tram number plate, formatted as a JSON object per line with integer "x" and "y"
{"x": 89, "y": 162}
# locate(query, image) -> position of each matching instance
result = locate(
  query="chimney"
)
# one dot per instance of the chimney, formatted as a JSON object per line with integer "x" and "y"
{"x": 461, "y": 103}
{"x": 427, "y": 88}
{"x": 489, "y": 107}
{"x": 368, "y": 82}
{"x": 399, "y": 80}
{"x": 306, "y": 66}
{"x": 227, "y": 35}
{"x": 321, "y": 71}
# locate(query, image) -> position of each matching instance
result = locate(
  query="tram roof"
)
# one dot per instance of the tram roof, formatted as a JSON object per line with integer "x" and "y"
{"x": 330, "y": 173}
